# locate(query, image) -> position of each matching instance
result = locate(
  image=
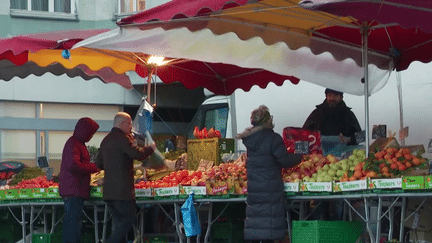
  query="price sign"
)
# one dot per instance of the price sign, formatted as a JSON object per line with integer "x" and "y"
{"x": 49, "y": 174}
{"x": 403, "y": 133}
{"x": 360, "y": 136}
{"x": 301, "y": 147}
{"x": 379, "y": 131}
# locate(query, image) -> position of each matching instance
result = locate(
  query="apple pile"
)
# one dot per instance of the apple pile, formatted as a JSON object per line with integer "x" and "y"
{"x": 338, "y": 170}
{"x": 309, "y": 166}
{"x": 226, "y": 177}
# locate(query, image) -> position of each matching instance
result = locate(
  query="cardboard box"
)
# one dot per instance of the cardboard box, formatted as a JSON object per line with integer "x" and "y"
{"x": 167, "y": 191}
{"x": 428, "y": 182}
{"x": 196, "y": 190}
{"x": 96, "y": 191}
{"x": 39, "y": 193}
{"x": 381, "y": 143}
{"x": 421, "y": 220}
{"x": 394, "y": 183}
{"x": 148, "y": 192}
{"x": 421, "y": 236}
{"x": 208, "y": 149}
{"x": 316, "y": 187}
{"x": 52, "y": 192}
{"x": 25, "y": 193}
{"x": 347, "y": 186}
{"x": 10, "y": 194}
{"x": 292, "y": 186}
{"x": 413, "y": 182}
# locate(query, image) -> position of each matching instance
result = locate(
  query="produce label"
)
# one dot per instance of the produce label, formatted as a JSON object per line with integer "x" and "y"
{"x": 96, "y": 191}
{"x": 346, "y": 186}
{"x": 52, "y": 193}
{"x": 197, "y": 190}
{"x": 168, "y": 191}
{"x": 316, "y": 187}
{"x": 413, "y": 182}
{"x": 39, "y": 193}
{"x": 385, "y": 183}
{"x": 291, "y": 187}
{"x": 10, "y": 194}
{"x": 428, "y": 182}
{"x": 25, "y": 193}
{"x": 144, "y": 192}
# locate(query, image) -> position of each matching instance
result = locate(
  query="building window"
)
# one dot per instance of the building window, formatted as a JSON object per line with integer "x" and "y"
{"x": 63, "y": 9}
{"x": 61, "y": 6}
{"x": 130, "y": 6}
{"x": 18, "y": 145}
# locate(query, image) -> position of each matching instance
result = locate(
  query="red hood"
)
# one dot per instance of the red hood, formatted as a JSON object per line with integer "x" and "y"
{"x": 85, "y": 129}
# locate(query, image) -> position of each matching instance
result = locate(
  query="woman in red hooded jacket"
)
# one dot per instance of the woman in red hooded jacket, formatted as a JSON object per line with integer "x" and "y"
{"x": 74, "y": 178}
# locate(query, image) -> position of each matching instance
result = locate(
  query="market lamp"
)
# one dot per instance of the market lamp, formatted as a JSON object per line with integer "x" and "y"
{"x": 152, "y": 63}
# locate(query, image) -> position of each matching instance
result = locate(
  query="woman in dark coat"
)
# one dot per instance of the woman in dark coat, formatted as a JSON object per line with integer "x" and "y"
{"x": 267, "y": 155}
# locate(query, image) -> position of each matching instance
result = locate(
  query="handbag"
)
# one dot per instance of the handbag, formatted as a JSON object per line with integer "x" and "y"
{"x": 190, "y": 218}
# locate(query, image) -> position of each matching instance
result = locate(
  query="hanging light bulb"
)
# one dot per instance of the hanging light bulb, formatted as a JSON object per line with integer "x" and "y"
{"x": 157, "y": 60}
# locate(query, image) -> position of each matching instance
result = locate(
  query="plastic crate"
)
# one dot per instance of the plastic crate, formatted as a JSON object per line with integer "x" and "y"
{"x": 47, "y": 238}
{"x": 208, "y": 149}
{"x": 227, "y": 232}
{"x": 326, "y": 231}
{"x": 156, "y": 239}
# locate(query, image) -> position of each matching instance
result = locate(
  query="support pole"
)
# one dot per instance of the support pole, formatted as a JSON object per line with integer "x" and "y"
{"x": 365, "y": 33}
{"x": 399, "y": 87}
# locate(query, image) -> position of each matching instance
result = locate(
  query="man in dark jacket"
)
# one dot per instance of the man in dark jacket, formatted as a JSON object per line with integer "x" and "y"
{"x": 116, "y": 155}
{"x": 267, "y": 155}
{"x": 334, "y": 118}
{"x": 74, "y": 178}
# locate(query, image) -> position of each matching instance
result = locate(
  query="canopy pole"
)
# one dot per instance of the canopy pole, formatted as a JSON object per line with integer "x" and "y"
{"x": 401, "y": 118}
{"x": 150, "y": 74}
{"x": 365, "y": 33}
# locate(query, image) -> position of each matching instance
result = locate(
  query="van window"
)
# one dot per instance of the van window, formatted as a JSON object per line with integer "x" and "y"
{"x": 212, "y": 115}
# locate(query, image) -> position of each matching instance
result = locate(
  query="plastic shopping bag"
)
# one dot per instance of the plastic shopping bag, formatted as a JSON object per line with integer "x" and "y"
{"x": 144, "y": 118}
{"x": 156, "y": 160}
{"x": 190, "y": 218}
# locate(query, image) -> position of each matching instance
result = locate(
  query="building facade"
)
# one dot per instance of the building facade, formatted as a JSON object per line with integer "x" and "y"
{"x": 38, "y": 114}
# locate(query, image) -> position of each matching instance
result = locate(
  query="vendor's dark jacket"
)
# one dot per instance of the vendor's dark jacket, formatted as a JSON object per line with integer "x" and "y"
{"x": 75, "y": 169}
{"x": 116, "y": 154}
{"x": 265, "y": 212}
{"x": 333, "y": 121}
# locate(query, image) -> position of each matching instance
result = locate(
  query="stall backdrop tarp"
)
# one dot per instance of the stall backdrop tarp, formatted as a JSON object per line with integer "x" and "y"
{"x": 40, "y": 53}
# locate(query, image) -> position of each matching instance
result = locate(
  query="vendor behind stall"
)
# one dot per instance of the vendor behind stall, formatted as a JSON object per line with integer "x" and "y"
{"x": 335, "y": 121}
{"x": 337, "y": 125}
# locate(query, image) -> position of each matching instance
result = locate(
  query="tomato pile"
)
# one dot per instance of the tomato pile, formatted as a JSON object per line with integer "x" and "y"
{"x": 38, "y": 182}
{"x": 6, "y": 175}
{"x": 203, "y": 133}
{"x": 180, "y": 177}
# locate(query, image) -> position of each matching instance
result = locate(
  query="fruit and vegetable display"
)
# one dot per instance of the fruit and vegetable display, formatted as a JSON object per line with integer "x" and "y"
{"x": 230, "y": 177}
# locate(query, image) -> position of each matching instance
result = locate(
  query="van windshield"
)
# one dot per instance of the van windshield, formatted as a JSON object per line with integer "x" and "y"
{"x": 211, "y": 115}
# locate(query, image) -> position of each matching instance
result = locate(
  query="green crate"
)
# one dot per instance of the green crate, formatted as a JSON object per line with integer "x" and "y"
{"x": 227, "y": 232}
{"x": 156, "y": 239}
{"x": 315, "y": 231}
{"x": 47, "y": 238}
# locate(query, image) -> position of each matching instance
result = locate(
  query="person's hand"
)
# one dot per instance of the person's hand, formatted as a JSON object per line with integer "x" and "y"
{"x": 153, "y": 146}
{"x": 342, "y": 139}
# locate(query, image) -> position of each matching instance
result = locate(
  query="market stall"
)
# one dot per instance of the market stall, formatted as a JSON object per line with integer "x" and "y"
{"x": 383, "y": 181}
